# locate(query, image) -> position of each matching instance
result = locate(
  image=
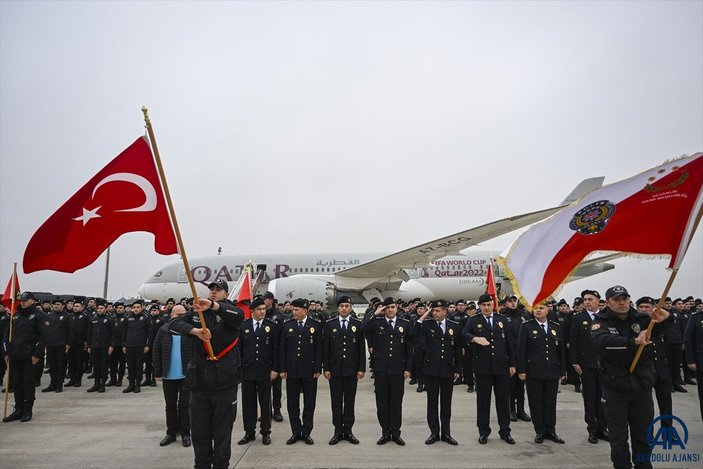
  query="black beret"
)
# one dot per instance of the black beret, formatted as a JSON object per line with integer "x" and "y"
{"x": 438, "y": 304}
{"x": 269, "y": 295}
{"x": 562, "y": 302}
{"x": 137, "y": 302}
{"x": 27, "y": 295}
{"x": 388, "y": 301}
{"x": 511, "y": 298}
{"x": 57, "y": 300}
{"x": 101, "y": 303}
{"x": 256, "y": 303}
{"x": 578, "y": 301}
{"x": 645, "y": 300}
{"x": 119, "y": 303}
{"x": 343, "y": 299}
{"x": 590, "y": 292}
{"x": 460, "y": 301}
{"x": 375, "y": 299}
{"x": 221, "y": 283}
{"x": 300, "y": 303}
{"x": 485, "y": 298}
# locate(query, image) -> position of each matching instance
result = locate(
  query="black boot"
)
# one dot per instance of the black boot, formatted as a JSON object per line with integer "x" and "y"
{"x": 15, "y": 415}
{"x": 27, "y": 414}
{"x": 111, "y": 381}
{"x": 119, "y": 382}
{"x": 420, "y": 385}
{"x": 59, "y": 387}
{"x": 137, "y": 388}
{"x": 152, "y": 383}
{"x": 129, "y": 388}
{"x": 95, "y": 386}
{"x": 49, "y": 388}
{"x": 77, "y": 384}
{"x": 101, "y": 388}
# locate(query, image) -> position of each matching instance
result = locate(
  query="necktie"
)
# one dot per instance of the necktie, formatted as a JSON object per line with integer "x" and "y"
{"x": 300, "y": 325}
{"x": 544, "y": 326}
{"x": 441, "y": 326}
{"x": 344, "y": 325}
{"x": 490, "y": 321}
{"x": 256, "y": 328}
{"x": 390, "y": 323}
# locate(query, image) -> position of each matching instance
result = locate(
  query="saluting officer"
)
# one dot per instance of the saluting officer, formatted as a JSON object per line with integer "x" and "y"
{"x": 135, "y": 338}
{"x": 392, "y": 363}
{"x": 344, "y": 362}
{"x": 584, "y": 360}
{"x": 541, "y": 360}
{"x": 442, "y": 366}
{"x": 617, "y": 332}
{"x": 693, "y": 341}
{"x": 300, "y": 365}
{"x": 101, "y": 343}
{"x": 259, "y": 339}
{"x": 494, "y": 364}
{"x": 56, "y": 334}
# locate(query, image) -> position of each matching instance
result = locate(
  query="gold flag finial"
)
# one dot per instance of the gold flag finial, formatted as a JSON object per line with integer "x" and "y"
{"x": 146, "y": 116}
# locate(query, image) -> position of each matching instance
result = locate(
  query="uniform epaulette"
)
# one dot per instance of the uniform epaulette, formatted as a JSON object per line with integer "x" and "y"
{"x": 553, "y": 322}
{"x": 452, "y": 321}
{"x": 332, "y": 319}
{"x": 531, "y": 320}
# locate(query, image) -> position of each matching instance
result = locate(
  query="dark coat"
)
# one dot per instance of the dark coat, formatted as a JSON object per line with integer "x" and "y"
{"x": 443, "y": 352}
{"x": 581, "y": 349}
{"x": 260, "y": 351}
{"x": 540, "y": 355}
{"x": 161, "y": 353}
{"x": 392, "y": 348}
{"x": 343, "y": 353}
{"x": 301, "y": 351}
{"x": 499, "y": 356}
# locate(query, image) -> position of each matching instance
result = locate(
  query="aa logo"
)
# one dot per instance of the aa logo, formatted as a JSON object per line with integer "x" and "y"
{"x": 668, "y": 436}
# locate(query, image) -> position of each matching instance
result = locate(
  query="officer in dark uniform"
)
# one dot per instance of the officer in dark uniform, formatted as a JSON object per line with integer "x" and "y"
{"x": 56, "y": 335}
{"x": 584, "y": 361}
{"x": 300, "y": 365}
{"x": 101, "y": 344}
{"x": 617, "y": 332}
{"x": 135, "y": 343}
{"x": 77, "y": 343}
{"x": 157, "y": 320}
{"x": 4, "y": 325}
{"x": 213, "y": 383}
{"x": 662, "y": 386}
{"x": 279, "y": 317}
{"x": 344, "y": 362}
{"x": 419, "y": 343}
{"x": 23, "y": 351}
{"x": 442, "y": 366}
{"x": 392, "y": 361}
{"x": 259, "y": 339}
{"x": 515, "y": 319}
{"x": 494, "y": 364}
{"x": 693, "y": 342}
{"x": 541, "y": 360}
{"x": 116, "y": 361}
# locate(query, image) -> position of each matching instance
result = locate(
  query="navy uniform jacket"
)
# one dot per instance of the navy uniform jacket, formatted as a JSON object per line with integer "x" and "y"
{"x": 392, "y": 348}
{"x": 118, "y": 321}
{"x": 581, "y": 349}
{"x": 343, "y": 353}
{"x": 301, "y": 351}
{"x": 156, "y": 322}
{"x": 540, "y": 355}
{"x": 136, "y": 330}
{"x": 101, "y": 332}
{"x": 515, "y": 319}
{"x": 27, "y": 339}
{"x": 260, "y": 352}
{"x": 496, "y": 358}
{"x": 661, "y": 363}
{"x": 277, "y": 316}
{"x": 443, "y": 353}
{"x": 56, "y": 329}
{"x": 693, "y": 340}
{"x": 79, "y": 328}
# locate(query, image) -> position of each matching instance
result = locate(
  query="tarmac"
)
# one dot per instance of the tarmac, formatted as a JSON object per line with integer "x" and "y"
{"x": 76, "y": 430}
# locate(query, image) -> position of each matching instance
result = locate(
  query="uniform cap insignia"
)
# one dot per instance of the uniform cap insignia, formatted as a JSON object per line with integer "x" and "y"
{"x": 554, "y": 332}
{"x": 636, "y": 328}
{"x": 595, "y": 326}
{"x": 451, "y": 331}
{"x": 267, "y": 328}
{"x": 353, "y": 328}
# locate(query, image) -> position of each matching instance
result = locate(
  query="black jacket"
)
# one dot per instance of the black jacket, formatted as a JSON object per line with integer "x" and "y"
{"x": 581, "y": 349}
{"x": 443, "y": 352}
{"x": 540, "y": 355}
{"x": 161, "y": 353}
{"x": 27, "y": 339}
{"x": 57, "y": 329}
{"x": 343, "y": 353}
{"x": 136, "y": 330}
{"x": 499, "y": 356}
{"x": 693, "y": 340}
{"x": 392, "y": 348}
{"x": 79, "y": 328}
{"x": 260, "y": 352}
{"x": 101, "y": 332}
{"x": 301, "y": 351}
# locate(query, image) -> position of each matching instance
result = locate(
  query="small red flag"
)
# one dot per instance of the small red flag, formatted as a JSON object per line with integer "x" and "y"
{"x": 8, "y": 295}
{"x": 244, "y": 297}
{"x": 491, "y": 285}
{"x": 125, "y": 196}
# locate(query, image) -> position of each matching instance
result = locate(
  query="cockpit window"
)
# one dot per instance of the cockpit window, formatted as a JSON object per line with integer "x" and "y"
{"x": 158, "y": 274}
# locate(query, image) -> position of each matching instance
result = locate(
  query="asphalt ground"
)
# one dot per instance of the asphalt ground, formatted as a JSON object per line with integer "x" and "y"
{"x": 75, "y": 430}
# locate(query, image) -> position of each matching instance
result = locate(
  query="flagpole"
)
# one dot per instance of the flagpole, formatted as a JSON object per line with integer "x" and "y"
{"x": 174, "y": 221}
{"x": 13, "y": 295}
{"x": 669, "y": 284}
{"x": 107, "y": 273}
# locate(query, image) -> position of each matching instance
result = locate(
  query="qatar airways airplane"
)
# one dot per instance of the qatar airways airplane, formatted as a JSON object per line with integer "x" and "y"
{"x": 432, "y": 270}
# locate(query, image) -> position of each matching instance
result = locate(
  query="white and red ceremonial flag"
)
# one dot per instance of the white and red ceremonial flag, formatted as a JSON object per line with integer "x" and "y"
{"x": 653, "y": 213}
{"x": 125, "y": 196}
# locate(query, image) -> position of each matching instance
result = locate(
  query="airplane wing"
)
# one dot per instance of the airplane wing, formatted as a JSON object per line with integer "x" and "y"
{"x": 392, "y": 266}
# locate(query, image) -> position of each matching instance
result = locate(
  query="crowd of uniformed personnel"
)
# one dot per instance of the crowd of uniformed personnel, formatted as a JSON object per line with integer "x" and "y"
{"x": 504, "y": 351}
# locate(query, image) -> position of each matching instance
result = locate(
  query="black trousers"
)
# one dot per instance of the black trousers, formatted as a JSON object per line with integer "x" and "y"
{"x": 439, "y": 395}
{"x": 277, "y": 391}
{"x": 468, "y": 367}
{"x": 23, "y": 375}
{"x": 500, "y": 385}
{"x": 294, "y": 386}
{"x": 542, "y": 396}
{"x": 99, "y": 357}
{"x": 662, "y": 390}
{"x": 177, "y": 407}
{"x": 631, "y": 412}
{"x": 591, "y": 392}
{"x": 117, "y": 364}
{"x": 342, "y": 398}
{"x": 135, "y": 363}
{"x": 56, "y": 359}
{"x": 389, "y": 402}
{"x": 148, "y": 366}
{"x": 517, "y": 393}
{"x": 699, "y": 385}
{"x": 673, "y": 354}
{"x": 419, "y": 362}
{"x": 76, "y": 364}
{"x": 251, "y": 391}
{"x": 212, "y": 416}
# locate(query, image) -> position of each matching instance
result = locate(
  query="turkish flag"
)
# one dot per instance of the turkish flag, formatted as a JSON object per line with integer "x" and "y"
{"x": 491, "y": 286}
{"x": 8, "y": 295}
{"x": 125, "y": 196}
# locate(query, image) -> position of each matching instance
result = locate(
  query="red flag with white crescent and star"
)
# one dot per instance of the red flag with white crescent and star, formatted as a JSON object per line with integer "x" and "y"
{"x": 11, "y": 294}
{"x": 125, "y": 196}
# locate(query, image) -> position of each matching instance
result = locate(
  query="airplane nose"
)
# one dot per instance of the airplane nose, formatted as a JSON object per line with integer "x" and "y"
{"x": 142, "y": 290}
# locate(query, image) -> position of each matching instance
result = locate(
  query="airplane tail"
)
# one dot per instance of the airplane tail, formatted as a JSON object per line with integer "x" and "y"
{"x": 583, "y": 188}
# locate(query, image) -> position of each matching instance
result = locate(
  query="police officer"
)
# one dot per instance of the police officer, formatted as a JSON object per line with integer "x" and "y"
{"x": 101, "y": 344}
{"x": 213, "y": 383}
{"x": 344, "y": 362}
{"x": 135, "y": 339}
{"x": 116, "y": 361}
{"x": 392, "y": 355}
{"x": 300, "y": 365}
{"x": 56, "y": 334}
{"x": 21, "y": 353}
{"x": 259, "y": 339}
{"x": 541, "y": 360}
{"x": 157, "y": 320}
{"x": 494, "y": 364}
{"x": 77, "y": 344}
{"x": 419, "y": 344}
{"x": 442, "y": 366}
{"x": 617, "y": 332}
{"x": 693, "y": 342}
{"x": 583, "y": 359}
{"x": 515, "y": 319}
{"x": 279, "y": 317}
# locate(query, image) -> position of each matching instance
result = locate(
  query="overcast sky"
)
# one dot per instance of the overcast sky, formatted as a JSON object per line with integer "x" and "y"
{"x": 342, "y": 127}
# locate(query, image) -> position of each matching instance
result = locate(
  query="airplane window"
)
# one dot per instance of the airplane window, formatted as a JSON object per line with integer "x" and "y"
{"x": 317, "y": 269}
{"x": 328, "y": 269}
{"x": 306, "y": 269}
{"x": 231, "y": 271}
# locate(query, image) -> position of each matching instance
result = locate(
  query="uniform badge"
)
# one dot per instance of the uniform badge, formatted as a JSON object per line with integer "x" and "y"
{"x": 534, "y": 332}
{"x": 31, "y": 316}
{"x": 524, "y": 320}
{"x": 400, "y": 329}
{"x": 267, "y": 329}
{"x": 451, "y": 331}
{"x": 141, "y": 318}
{"x": 500, "y": 324}
{"x": 636, "y": 328}
{"x": 246, "y": 331}
{"x": 353, "y": 328}
{"x": 334, "y": 330}
{"x": 218, "y": 319}
{"x": 61, "y": 318}
{"x": 290, "y": 330}
{"x": 312, "y": 330}
{"x": 479, "y": 326}
{"x": 585, "y": 323}
{"x": 104, "y": 321}
{"x": 595, "y": 326}
{"x": 46, "y": 323}
{"x": 554, "y": 333}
